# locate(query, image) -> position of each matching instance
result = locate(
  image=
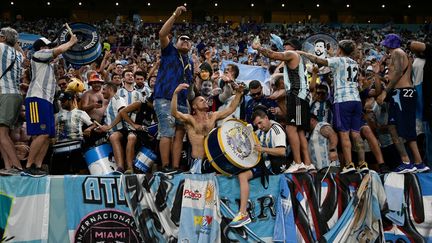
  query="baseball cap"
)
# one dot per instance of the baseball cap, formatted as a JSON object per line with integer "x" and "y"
{"x": 41, "y": 42}
{"x": 67, "y": 95}
{"x": 392, "y": 41}
{"x": 184, "y": 37}
{"x": 95, "y": 77}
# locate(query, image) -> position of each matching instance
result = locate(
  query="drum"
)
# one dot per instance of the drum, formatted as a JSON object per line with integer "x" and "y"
{"x": 66, "y": 147}
{"x": 145, "y": 159}
{"x": 230, "y": 147}
{"x": 88, "y": 47}
{"x": 100, "y": 160}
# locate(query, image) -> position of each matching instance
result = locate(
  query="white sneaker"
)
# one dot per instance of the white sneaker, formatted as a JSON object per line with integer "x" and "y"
{"x": 310, "y": 167}
{"x": 296, "y": 167}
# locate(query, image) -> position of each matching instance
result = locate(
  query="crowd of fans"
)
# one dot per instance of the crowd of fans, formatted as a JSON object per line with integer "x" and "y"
{"x": 130, "y": 88}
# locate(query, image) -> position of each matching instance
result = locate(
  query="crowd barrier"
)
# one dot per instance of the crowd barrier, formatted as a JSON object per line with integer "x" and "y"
{"x": 136, "y": 208}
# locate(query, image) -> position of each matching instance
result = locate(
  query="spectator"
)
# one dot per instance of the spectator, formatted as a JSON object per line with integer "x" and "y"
{"x": 10, "y": 96}
{"x": 175, "y": 68}
{"x": 39, "y": 101}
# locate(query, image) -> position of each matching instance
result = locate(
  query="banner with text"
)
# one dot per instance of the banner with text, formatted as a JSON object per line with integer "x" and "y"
{"x": 96, "y": 210}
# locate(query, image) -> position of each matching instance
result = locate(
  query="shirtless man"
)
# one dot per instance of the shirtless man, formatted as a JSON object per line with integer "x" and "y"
{"x": 402, "y": 105}
{"x": 92, "y": 100}
{"x": 200, "y": 123}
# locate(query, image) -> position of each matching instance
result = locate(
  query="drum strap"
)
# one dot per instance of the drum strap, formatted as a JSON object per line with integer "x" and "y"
{"x": 265, "y": 174}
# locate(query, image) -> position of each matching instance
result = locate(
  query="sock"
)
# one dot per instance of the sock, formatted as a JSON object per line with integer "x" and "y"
{"x": 407, "y": 163}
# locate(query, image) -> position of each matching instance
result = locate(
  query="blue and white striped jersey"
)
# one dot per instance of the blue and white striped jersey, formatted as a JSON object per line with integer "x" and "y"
{"x": 43, "y": 83}
{"x": 9, "y": 83}
{"x": 112, "y": 110}
{"x": 345, "y": 75}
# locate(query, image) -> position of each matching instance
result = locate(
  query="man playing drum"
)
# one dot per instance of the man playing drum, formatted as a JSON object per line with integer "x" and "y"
{"x": 272, "y": 146}
{"x": 201, "y": 122}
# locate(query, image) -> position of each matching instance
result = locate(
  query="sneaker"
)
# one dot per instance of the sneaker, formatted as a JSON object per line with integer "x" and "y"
{"x": 168, "y": 170}
{"x": 363, "y": 167}
{"x": 296, "y": 167}
{"x": 240, "y": 220}
{"x": 421, "y": 167}
{"x": 310, "y": 167}
{"x": 405, "y": 168}
{"x": 348, "y": 168}
{"x": 34, "y": 171}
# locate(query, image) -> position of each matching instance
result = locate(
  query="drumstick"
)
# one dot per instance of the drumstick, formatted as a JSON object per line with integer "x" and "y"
{"x": 97, "y": 123}
{"x": 69, "y": 29}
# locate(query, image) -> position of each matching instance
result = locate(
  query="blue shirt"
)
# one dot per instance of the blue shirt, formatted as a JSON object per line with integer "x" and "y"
{"x": 171, "y": 74}
{"x": 265, "y": 101}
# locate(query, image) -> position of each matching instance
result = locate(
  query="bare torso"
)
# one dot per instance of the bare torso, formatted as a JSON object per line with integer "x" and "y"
{"x": 402, "y": 61}
{"x": 91, "y": 97}
{"x": 197, "y": 132}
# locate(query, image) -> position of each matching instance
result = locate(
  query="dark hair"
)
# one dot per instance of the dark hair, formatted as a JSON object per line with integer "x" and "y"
{"x": 140, "y": 73}
{"x": 347, "y": 46}
{"x": 258, "y": 112}
{"x": 320, "y": 40}
{"x": 235, "y": 69}
{"x": 126, "y": 71}
{"x": 254, "y": 84}
{"x": 112, "y": 86}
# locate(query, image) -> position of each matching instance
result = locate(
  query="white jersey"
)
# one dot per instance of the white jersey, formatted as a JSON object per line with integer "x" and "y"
{"x": 112, "y": 110}
{"x": 130, "y": 97}
{"x": 69, "y": 124}
{"x": 345, "y": 75}
{"x": 43, "y": 83}
{"x": 9, "y": 83}
{"x": 273, "y": 138}
{"x": 319, "y": 147}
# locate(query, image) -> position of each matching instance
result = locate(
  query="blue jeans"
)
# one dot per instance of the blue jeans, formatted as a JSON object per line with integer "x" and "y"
{"x": 166, "y": 121}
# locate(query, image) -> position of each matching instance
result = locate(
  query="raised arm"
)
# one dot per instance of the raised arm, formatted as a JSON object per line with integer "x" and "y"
{"x": 65, "y": 46}
{"x": 314, "y": 58}
{"x": 166, "y": 28}
{"x": 219, "y": 115}
{"x": 282, "y": 56}
{"x": 174, "y": 112}
{"x": 417, "y": 46}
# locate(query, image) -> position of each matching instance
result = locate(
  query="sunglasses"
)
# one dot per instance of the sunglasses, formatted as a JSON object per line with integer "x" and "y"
{"x": 184, "y": 39}
{"x": 62, "y": 84}
{"x": 321, "y": 93}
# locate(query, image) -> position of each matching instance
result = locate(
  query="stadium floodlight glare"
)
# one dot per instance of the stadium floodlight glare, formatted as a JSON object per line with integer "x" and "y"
{"x": 252, "y": 4}
{"x": 348, "y": 5}
{"x": 383, "y": 6}
{"x": 48, "y": 3}
{"x": 318, "y": 5}
{"x": 117, "y": 3}
{"x": 149, "y": 4}
{"x": 185, "y": 4}
{"x": 80, "y": 3}
{"x": 409, "y": 5}
{"x": 283, "y": 5}
{"x": 12, "y": 3}
{"x": 216, "y": 4}
{"x": 369, "y": 21}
